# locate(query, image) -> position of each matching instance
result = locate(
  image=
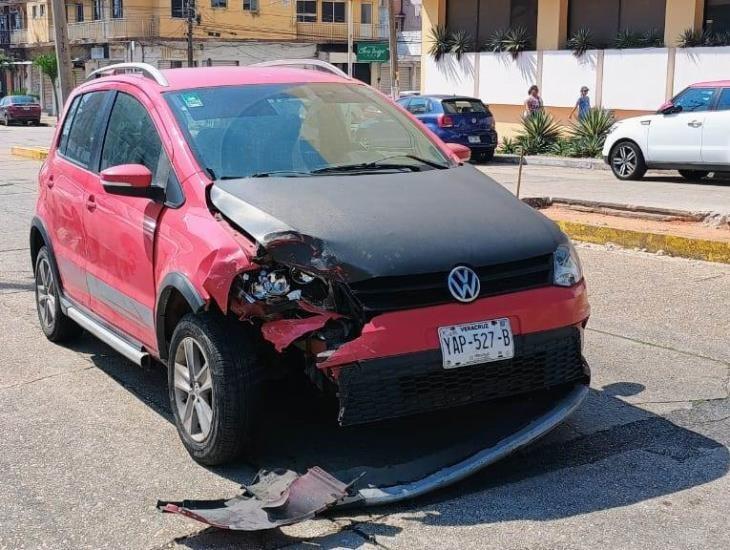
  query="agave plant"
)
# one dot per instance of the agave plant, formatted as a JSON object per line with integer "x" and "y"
{"x": 627, "y": 38}
{"x": 496, "y": 41}
{"x": 587, "y": 146}
{"x": 692, "y": 38}
{"x": 461, "y": 42}
{"x": 653, "y": 38}
{"x": 595, "y": 124}
{"x": 539, "y": 133}
{"x": 563, "y": 148}
{"x": 581, "y": 42}
{"x": 441, "y": 42}
{"x": 721, "y": 38}
{"x": 516, "y": 40}
{"x": 509, "y": 146}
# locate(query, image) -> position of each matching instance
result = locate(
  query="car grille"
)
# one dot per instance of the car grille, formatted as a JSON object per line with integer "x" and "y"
{"x": 405, "y": 292}
{"x": 405, "y": 385}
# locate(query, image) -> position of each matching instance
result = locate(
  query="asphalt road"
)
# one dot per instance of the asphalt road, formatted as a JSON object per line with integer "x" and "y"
{"x": 88, "y": 445}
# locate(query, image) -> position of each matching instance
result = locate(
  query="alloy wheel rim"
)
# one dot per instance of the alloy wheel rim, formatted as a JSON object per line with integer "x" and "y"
{"x": 45, "y": 294}
{"x": 625, "y": 161}
{"x": 193, "y": 389}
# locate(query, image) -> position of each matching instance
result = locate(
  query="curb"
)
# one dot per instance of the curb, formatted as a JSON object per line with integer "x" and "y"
{"x": 561, "y": 162}
{"x": 36, "y": 153}
{"x": 698, "y": 249}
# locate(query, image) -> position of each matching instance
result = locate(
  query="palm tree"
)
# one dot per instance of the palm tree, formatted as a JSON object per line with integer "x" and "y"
{"x": 48, "y": 65}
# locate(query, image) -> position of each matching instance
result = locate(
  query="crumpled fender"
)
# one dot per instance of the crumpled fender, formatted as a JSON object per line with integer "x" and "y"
{"x": 282, "y": 332}
{"x": 218, "y": 269}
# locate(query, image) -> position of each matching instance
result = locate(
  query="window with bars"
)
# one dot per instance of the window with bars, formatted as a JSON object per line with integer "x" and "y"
{"x": 306, "y": 11}
{"x": 251, "y": 5}
{"x": 179, "y": 8}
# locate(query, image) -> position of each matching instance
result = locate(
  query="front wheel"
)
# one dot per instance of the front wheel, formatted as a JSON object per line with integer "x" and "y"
{"x": 627, "y": 162}
{"x": 213, "y": 381}
{"x": 693, "y": 175}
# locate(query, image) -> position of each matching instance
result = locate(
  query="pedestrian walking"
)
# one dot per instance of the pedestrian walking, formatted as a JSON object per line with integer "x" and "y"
{"x": 583, "y": 105}
{"x": 533, "y": 103}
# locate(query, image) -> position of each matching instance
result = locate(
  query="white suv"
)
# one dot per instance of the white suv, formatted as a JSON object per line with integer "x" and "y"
{"x": 690, "y": 133}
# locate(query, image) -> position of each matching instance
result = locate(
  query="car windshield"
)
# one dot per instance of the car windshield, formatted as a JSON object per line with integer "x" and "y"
{"x": 300, "y": 130}
{"x": 22, "y": 99}
{"x": 458, "y": 106}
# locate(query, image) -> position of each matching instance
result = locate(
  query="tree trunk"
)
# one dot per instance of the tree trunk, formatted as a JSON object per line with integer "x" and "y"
{"x": 55, "y": 97}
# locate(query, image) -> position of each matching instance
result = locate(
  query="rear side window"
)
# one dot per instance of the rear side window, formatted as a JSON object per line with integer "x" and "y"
{"x": 458, "y": 106}
{"x": 419, "y": 106}
{"x": 84, "y": 134}
{"x": 67, "y": 125}
{"x": 723, "y": 103}
{"x": 694, "y": 99}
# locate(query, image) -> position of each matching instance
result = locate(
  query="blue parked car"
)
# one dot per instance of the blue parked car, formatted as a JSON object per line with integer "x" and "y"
{"x": 463, "y": 120}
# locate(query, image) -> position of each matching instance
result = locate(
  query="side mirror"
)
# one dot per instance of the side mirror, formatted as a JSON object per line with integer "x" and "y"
{"x": 670, "y": 108}
{"x": 130, "y": 180}
{"x": 461, "y": 152}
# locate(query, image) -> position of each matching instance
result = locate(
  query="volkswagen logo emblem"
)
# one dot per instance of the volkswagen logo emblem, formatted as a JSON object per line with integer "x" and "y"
{"x": 464, "y": 284}
{"x": 473, "y": 120}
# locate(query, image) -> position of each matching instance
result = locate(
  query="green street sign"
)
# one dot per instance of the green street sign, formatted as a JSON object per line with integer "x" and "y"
{"x": 373, "y": 52}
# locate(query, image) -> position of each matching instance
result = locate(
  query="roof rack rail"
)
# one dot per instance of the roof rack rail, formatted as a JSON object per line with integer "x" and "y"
{"x": 311, "y": 64}
{"x": 145, "y": 68}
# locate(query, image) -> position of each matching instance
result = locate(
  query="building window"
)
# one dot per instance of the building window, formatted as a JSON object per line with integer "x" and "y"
{"x": 179, "y": 8}
{"x": 366, "y": 14}
{"x": 218, "y": 3}
{"x": 717, "y": 15}
{"x": 481, "y": 18}
{"x": 306, "y": 11}
{"x": 251, "y": 5}
{"x": 96, "y": 10}
{"x": 34, "y": 12}
{"x": 605, "y": 18}
{"x": 79, "y": 13}
{"x": 333, "y": 12}
{"x": 117, "y": 9}
{"x": 42, "y": 10}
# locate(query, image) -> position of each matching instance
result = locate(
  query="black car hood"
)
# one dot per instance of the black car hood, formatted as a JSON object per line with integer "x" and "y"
{"x": 356, "y": 227}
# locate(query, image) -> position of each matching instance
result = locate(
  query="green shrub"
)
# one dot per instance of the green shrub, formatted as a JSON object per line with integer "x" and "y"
{"x": 516, "y": 41}
{"x": 595, "y": 124}
{"x": 495, "y": 43}
{"x": 626, "y": 38}
{"x": 653, "y": 38}
{"x": 581, "y": 42}
{"x": 539, "y": 133}
{"x": 442, "y": 42}
{"x": 461, "y": 43}
{"x": 509, "y": 146}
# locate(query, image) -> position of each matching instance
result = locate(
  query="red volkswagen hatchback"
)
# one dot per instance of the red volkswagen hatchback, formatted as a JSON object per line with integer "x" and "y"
{"x": 233, "y": 222}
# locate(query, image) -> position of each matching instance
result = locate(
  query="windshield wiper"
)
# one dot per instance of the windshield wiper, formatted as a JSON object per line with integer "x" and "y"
{"x": 380, "y": 165}
{"x": 271, "y": 174}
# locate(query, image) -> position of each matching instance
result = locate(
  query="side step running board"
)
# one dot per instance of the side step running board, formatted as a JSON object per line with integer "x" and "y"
{"x": 120, "y": 345}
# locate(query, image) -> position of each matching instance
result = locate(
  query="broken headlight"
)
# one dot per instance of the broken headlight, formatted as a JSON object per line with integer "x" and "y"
{"x": 567, "y": 270}
{"x": 280, "y": 282}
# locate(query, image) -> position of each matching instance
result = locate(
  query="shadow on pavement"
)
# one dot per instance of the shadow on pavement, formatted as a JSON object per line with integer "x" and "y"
{"x": 593, "y": 463}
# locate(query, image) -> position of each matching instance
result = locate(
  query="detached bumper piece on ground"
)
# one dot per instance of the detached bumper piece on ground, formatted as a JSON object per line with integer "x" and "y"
{"x": 274, "y": 499}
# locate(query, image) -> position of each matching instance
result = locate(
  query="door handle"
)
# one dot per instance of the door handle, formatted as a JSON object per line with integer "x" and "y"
{"x": 694, "y": 124}
{"x": 91, "y": 203}
{"x": 49, "y": 181}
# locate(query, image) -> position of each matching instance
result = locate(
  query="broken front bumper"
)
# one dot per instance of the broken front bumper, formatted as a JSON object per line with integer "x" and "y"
{"x": 403, "y": 385}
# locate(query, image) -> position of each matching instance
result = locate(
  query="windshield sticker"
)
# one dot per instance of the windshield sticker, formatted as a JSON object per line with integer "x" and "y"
{"x": 192, "y": 100}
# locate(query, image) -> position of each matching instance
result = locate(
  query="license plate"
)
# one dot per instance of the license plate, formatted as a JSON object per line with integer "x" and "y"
{"x": 26, "y": 108}
{"x": 479, "y": 342}
{"x": 475, "y": 139}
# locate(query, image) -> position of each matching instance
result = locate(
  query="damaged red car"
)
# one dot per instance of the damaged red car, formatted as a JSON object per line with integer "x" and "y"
{"x": 234, "y": 223}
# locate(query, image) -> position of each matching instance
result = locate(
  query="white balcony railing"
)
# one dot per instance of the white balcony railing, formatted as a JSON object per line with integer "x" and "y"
{"x": 19, "y": 36}
{"x": 106, "y": 29}
{"x": 336, "y": 32}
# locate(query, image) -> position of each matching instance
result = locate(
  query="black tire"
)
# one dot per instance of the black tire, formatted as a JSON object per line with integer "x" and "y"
{"x": 627, "y": 161}
{"x": 232, "y": 354}
{"x": 54, "y": 323}
{"x": 693, "y": 175}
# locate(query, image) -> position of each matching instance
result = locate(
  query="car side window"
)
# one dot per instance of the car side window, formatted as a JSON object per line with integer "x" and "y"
{"x": 694, "y": 99}
{"x": 723, "y": 103}
{"x": 63, "y": 141}
{"x": 84, "y": 135}
{"x": 418, "y": 106}
{"x": 131, "y": 138}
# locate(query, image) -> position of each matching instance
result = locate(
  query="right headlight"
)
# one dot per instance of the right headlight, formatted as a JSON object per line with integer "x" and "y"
{"x": 567, "y": 270}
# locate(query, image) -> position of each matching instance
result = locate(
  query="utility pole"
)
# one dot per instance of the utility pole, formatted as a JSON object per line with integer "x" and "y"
{"x": 189, "y": 17}
{"x": 350, "y": 33}
{"x": 393, "y": 47}
{"x": 63, "y": 51}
